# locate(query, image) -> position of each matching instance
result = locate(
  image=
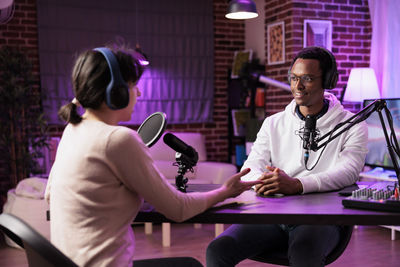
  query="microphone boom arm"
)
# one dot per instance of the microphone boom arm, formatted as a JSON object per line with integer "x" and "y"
{"x": 378, "y": 105}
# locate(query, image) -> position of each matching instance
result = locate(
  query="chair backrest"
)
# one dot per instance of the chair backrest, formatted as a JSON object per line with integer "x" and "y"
{"x": 39, "y": 251}
{"x": 280, "y": 257}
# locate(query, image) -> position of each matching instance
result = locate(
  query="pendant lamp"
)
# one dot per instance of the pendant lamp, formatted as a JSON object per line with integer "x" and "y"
{"x": 241, "y": 9}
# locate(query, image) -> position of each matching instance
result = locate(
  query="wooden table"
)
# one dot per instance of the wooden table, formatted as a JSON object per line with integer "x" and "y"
{"x": 316, "y": 208}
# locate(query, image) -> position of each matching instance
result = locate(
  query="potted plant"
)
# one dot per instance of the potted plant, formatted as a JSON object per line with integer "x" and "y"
{"x": 23, "y": 129}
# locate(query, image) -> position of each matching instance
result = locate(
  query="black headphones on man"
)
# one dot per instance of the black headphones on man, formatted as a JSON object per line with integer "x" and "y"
{"x": 331, "y": 75}
{"x": 117, "y": 91}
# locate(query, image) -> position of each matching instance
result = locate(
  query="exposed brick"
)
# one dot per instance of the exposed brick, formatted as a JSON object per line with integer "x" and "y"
{"x": 361, "y": 9}
{"x": 324, "y": 14}
{"x": 12, "y": 34}
{"x": 356, "y": 43}
{"x": 29, "y": 35}
{"x": 367, "y": 30}
{"x": 347, "y": 65}
{"x": 346, "y": 50}
{"x": 300, "y": 5}
{"x": 315, "y": 6}
{"x": 355, "y": 57}
{"x": 341, "y": 15}
{"x": 338, "y": 43}
{"x": 331, "y": 7}
{"x": 355, "y": 15}
{"x": 363, "y": 51}
{"x": 339, "y": 29}
{"x": 361, "y": 65}
{"x": 340, "y": 57}
{"x": 361, "y": 23}
{"x": 308, "y": 13}
{"x": 346, "y": 22}
{"x": 15, "y": 42}
{"x": 363, "y": 37}
{"x": 346, "y": 8}
{"x": 18, "y": 28}
{"x": 354, "y": 30}
{"x": 346, "y": 36}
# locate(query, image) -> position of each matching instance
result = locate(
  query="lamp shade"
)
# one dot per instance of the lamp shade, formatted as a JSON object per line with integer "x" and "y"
{"x": 241, "y": 9}
{"x": 362, "y": 85}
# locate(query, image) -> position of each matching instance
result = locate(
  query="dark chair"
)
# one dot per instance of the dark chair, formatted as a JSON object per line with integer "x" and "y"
{"x": 280, "y": 257}
{"x": 41, "y": 253}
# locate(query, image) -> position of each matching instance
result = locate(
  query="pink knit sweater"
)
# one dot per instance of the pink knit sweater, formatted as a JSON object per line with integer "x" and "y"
{"x": 96, "y": 187}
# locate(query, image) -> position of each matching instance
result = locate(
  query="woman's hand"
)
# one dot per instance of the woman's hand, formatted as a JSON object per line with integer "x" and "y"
{"x": 234, "y": 186}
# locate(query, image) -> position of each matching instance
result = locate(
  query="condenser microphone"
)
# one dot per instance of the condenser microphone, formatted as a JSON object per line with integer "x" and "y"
{"x": 179, "y": 146}
{"x": 309, "y": 135}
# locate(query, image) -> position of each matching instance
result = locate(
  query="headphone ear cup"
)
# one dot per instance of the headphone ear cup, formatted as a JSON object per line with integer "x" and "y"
{"x": 119, "y": 97}
{"x": 331, "y": 78}
{"x": 334, "y": 80}
{"x": 331, "y": 75}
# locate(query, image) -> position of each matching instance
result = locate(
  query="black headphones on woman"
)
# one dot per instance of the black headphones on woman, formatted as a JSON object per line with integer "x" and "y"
{"x": 117, "y": 91}
{"x": 331, "y": 75}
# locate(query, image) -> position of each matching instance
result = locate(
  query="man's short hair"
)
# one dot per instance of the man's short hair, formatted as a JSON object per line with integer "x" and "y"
{"x": 327, "y": 63}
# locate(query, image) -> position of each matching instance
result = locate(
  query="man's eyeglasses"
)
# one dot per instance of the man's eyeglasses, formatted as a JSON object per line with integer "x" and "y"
{"x": 305, "y": 79}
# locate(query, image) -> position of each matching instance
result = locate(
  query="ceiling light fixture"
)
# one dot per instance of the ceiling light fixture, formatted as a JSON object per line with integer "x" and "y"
{"x": 241, "y": 9}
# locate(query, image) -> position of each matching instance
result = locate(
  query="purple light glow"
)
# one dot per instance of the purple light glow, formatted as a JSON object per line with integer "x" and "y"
{"x": 144, "y": 62}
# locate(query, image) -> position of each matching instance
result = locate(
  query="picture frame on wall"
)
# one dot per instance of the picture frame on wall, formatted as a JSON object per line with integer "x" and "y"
{"x": 239, "y": 119}
{"x": 276, "y": 43}
{"x": 317, "y": 33}
{"x": 240, "y": 58}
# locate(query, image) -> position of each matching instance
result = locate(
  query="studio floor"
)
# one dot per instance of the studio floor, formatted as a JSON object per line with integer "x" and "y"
{"x": 370, "y": 246}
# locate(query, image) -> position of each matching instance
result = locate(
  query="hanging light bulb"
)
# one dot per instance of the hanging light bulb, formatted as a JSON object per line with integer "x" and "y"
{"x": 241, "y": 9}
{"x": 143, "y": 59}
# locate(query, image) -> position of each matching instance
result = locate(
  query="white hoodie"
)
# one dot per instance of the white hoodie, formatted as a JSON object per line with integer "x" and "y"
{"x": 278, "y": 144}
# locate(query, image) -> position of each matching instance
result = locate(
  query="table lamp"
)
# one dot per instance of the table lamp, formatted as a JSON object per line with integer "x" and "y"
{"x": 362, "y": 85}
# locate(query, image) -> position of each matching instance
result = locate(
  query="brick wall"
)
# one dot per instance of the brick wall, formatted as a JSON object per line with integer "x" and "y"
{"x": 351, "y": 39}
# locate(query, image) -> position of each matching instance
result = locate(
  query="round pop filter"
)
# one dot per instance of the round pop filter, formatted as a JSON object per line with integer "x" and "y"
{"x": 152, "y": 128}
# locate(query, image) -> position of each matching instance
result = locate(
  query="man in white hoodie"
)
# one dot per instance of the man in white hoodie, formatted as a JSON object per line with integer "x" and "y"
{"x": 280, "y": 160}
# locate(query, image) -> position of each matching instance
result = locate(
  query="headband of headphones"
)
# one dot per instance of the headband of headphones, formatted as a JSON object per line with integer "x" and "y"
{"x": 117, "y": 93}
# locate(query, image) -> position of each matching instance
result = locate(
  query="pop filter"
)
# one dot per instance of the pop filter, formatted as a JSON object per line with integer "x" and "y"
{"x": 152, "y": 128}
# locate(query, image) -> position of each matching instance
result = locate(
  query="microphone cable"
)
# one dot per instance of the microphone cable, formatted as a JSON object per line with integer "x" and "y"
{"x": 323, "y": 149}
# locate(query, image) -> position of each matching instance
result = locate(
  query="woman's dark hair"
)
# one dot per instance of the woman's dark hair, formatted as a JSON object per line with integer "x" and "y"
{"x": 91, "y": 75}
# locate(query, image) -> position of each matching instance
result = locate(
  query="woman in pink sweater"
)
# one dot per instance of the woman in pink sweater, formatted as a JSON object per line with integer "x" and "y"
{"x": 103, "y": 172}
